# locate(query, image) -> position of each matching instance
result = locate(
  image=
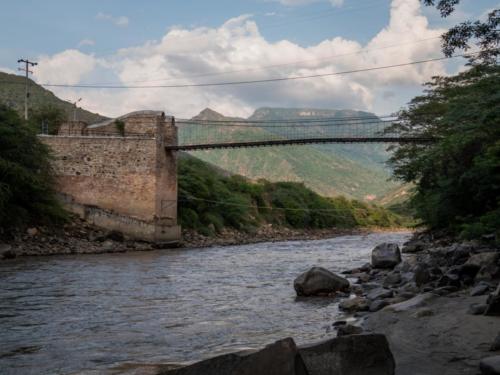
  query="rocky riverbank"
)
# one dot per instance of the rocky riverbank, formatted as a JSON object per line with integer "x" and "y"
{"x": 79, "y": 237}
{"x": 438, "y": 304}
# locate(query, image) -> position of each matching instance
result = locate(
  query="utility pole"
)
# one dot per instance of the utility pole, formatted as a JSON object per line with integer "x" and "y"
{"x": 74, "y": 110}
{"x": 26, "y": 70}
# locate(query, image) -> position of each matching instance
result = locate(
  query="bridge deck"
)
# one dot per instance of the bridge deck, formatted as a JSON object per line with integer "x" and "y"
{"x": 284, "y": 142}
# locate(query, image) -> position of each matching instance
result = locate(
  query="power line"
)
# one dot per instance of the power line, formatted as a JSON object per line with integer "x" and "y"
{"x": 233, "y": 83}
{"x": 264, "y": 125}
{"x": 290, "y": 120}
{"x": 192, "y": 198}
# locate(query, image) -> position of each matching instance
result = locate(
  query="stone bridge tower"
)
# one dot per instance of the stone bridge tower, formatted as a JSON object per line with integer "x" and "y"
{"x": 118, "y": 175}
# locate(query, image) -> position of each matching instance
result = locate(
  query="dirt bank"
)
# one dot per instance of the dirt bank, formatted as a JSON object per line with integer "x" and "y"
{"x": 79, "y": 237}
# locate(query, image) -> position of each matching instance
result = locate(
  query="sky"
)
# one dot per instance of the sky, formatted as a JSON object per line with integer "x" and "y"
{"x": 168, "y": 42}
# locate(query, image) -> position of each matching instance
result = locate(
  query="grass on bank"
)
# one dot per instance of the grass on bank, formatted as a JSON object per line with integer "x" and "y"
{"x": 210, "y": 200}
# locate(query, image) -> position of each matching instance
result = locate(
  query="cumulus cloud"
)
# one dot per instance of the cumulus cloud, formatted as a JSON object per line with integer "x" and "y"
{"x": 236, "y": 51}
{"x": 68, "y": 67}
{"x": 121, "y": 21}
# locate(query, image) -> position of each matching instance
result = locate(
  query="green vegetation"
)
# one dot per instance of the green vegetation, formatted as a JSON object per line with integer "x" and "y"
{"x": 210, "y": 200}
{"x": 48, "y": 116}
{"x": 355, "y": 171}
{"x": 120, "y": 127}
{"x": 26, "y": 186}
{"x": 12, "y": 94}
{"x": 457, "y": 178}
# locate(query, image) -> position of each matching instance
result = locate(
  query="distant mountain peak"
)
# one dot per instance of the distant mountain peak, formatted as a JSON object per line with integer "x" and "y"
{"x": 209, "y": 114}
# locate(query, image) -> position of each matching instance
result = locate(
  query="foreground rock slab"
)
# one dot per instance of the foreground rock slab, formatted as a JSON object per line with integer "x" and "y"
{"x": 279, "y": 358}
{"x": 350, "y": 355}
{"x": 319, "y": 281}
{"x": 447, "y": 342}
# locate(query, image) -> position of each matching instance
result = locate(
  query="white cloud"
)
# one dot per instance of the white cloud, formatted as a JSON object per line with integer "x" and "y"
{"x": 7, "y": 70}
{"x": 185, "y": 56}
{"x": 68, "y": 67}
{"x": 86, "y": 42}
{"x": 121, "y": 21}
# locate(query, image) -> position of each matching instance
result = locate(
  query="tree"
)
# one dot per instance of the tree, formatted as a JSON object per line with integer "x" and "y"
{"x": 485, "y": 33}
{"x": 26, "y": 185}
{"x": 457, "y": 177}
{"x": 50, "y": 116}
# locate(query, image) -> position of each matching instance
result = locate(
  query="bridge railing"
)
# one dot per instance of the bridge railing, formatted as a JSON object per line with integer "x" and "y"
{"x": 238, "y": 133}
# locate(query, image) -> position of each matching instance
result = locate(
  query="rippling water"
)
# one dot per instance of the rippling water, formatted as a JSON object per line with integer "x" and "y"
{"x": 69, "y": 313}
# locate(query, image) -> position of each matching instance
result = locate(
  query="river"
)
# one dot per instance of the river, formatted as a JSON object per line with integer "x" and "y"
{"x": 65, "y": 314}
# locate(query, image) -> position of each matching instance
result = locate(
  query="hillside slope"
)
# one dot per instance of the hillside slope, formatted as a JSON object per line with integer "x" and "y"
{"x": 12, "y": 89}
{"x": 354, "y": 171}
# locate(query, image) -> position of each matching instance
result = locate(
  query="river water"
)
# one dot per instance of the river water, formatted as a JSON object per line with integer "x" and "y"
{"x": 66, "y": 314}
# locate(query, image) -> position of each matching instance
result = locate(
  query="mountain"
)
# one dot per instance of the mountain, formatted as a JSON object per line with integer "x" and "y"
{"x": 12, "y": 91}
{"x": 355, "y": 170}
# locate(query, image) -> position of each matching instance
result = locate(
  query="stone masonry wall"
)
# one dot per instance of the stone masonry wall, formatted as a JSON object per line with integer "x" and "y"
{"x": 124, "y": 177}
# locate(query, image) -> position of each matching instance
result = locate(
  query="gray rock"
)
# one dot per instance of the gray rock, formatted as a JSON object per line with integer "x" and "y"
{"x": 380, "y": 293}
{"x": 279, "y": 358}
{"x": 350, "y": 355}
{"x": 319, "y": 280}
{"x": 488, "y": 272}
{"x": 365, "y": 267}
{"x": 354, "y": 304}
{"x": 445, "y": 290}
{"x": 493, "y": 303}
{"x": 423, "y": 312}
{"x": 490, "y": 365}
{"x": 404, "y": 266}
{"x": 378, "y": 304}
{"x": 413, "y": 247}
{"x": 6, "y": 252}
{"x": 363, "y": 277}
{"x": 393, "y": 278}
{"x": 406, "y": 295}
{"x": 417, "y": 301}
{"x": 449, "y": 279}
{"x": 495, "y": 345}
{"x": 479, "y": 289}
{"x": 410, "y": 287}
{"x": 349, "y": 329}
{"x": 386, "y": 255}
{"x": 483, "y": 259}
{"x": 477, "y": 308}
{"x": 422, "y": 275}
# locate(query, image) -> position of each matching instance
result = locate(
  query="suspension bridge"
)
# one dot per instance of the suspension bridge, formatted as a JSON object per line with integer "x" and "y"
{"x": 202, "y": 134}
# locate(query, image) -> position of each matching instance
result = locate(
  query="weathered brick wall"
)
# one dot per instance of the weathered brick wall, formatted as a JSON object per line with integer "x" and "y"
{"x": 130, "y": 177}
{"x": 117, "y": 174}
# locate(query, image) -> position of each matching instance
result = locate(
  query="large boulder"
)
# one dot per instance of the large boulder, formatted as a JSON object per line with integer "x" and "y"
{"x": 318, "y": 281}
{"x": 483, "y": 259}
{"x": 490, "y": 365}
{"x": 279, "y": 358}
{"x": 493, "y": 303}
{"x": 349, "y": 355}
{"x": 386, "y": 255}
